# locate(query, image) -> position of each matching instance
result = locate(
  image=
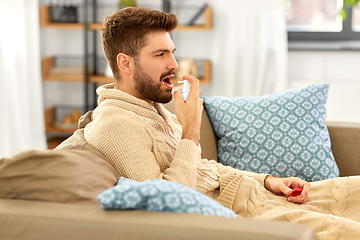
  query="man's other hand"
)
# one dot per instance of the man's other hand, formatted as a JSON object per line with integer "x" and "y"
{"x": 278, "y": 185}
{"x": 189, "y": 112}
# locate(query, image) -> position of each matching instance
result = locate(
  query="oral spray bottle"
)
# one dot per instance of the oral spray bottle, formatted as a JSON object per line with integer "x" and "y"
{"x": 185, "y": 89}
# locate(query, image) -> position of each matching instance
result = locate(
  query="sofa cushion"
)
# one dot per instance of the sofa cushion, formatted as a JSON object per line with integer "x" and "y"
{"x": 282, "y": 134}
{"x": 160, "y": 195}
{"x": 56, "y": 175}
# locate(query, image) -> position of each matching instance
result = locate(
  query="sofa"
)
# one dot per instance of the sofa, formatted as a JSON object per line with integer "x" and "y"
{"x": 48, "y": 215}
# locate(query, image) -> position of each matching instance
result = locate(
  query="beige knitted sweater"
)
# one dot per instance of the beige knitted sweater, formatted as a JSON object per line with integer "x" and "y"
{"x": 143, "y": 141}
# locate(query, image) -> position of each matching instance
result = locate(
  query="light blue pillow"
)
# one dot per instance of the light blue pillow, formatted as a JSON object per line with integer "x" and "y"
{"x": 282, "y": 134}
{"x": 160, "y": 196}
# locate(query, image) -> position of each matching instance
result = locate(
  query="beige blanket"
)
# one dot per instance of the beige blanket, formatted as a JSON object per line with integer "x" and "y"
{"x": 332, "y": 209}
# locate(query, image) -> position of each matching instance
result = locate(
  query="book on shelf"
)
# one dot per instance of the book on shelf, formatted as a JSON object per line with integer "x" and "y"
{"x": 197, "y": 15}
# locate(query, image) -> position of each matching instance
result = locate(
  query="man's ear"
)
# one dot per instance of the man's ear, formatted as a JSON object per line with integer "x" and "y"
{"x": 124, "y": 62}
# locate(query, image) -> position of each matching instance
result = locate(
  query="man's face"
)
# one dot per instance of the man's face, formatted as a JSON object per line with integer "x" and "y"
{"x": 155, "y": 67}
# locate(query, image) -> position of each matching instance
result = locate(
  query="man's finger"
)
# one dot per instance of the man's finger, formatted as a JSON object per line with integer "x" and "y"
{"x": 306, "y": 189}
{"x": 284, "y": 189}
{"x": 194, "y": 89}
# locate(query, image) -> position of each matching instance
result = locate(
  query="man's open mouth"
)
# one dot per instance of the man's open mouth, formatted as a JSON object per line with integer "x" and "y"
{"x": 167, "y": 81}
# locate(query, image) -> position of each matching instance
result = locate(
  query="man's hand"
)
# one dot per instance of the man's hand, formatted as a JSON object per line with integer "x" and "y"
{"x": 189, "y": 112}
{"x": 284, "y": 186}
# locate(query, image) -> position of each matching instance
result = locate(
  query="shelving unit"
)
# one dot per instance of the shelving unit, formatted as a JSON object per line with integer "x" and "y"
{"x": 88, "y": 73}
{"x": 47, "y": 62}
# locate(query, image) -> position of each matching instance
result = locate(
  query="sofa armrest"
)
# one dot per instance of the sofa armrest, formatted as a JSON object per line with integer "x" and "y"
{"x": 345, "y": 144}
{"x": 24, "y": 219}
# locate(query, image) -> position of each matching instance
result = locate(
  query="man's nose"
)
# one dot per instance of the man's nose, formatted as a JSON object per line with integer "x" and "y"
{"x": 173, "y": 63}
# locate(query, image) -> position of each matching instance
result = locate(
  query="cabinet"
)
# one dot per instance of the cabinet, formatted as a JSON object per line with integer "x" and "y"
{"x": 89, "y": 73}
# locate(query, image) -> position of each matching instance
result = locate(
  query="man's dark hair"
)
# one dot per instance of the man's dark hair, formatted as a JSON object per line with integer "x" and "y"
{"x": 125, "y": 32}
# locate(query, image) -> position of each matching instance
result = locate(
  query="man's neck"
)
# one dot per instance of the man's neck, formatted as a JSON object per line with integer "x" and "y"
{"x": 119, "y": 86}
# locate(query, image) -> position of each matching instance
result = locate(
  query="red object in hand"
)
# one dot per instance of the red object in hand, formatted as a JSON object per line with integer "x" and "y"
{"x": 296, "y": 192}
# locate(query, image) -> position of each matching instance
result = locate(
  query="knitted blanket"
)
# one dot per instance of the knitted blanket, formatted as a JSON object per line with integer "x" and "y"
{"x": 332, "y": 209}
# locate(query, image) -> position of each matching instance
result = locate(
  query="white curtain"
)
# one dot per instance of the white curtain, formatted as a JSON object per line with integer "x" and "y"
{"x": 21, "y": 107}
{"x": 250, "y": 48}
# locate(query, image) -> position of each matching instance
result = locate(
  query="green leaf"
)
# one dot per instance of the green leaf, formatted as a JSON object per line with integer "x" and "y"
{"x": 350, "y": 3}
{"x": 343, "y": 13}
{"x": 347, "y": 3}
{"x": 127, "y": 3}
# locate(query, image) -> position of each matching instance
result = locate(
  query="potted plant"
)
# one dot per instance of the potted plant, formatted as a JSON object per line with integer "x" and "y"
{"x": 347, "y": 3}
{"x": 127, "y": 3}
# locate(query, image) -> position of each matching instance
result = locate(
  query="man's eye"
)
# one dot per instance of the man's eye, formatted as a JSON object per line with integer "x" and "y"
{"x": 160, "y": 55}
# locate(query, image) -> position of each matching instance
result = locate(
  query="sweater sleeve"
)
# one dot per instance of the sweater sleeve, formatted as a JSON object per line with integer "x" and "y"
{"x": 260, "y": 177}
{"x": 184, "y": 164}
{"x": 222, "y": 170}
{"x": 134, "y": 150}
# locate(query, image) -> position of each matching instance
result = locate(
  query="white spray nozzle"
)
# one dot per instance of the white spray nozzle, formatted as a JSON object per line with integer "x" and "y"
{"x": 185, "y": 89}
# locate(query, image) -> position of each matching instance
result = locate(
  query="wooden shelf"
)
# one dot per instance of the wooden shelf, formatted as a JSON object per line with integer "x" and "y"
{"x": 47, "y": 64}
{"x": 45, "y": 22}
{"x": 50, "y": 120}
{"x": 199, "y": 27}
{"x": 62, "y": 74}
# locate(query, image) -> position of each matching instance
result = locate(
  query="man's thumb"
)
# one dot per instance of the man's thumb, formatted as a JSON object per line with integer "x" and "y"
{"x": 177, "y": 95}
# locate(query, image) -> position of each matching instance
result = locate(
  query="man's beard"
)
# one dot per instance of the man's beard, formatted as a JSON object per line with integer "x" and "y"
{"x": 149, "y": 89}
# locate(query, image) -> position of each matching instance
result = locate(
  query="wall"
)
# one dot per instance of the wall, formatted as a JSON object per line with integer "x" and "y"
{"x": 340, "y": 69}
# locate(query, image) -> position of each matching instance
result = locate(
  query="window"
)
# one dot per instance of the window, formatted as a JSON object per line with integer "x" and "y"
{"x": 356, "y": 19}
{"x": 319, "y": 20}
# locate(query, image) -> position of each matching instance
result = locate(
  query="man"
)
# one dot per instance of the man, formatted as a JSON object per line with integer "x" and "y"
{"x": 142, "y": 140}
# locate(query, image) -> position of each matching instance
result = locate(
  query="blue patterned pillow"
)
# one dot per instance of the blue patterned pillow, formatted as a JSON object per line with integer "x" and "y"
{"x": 282, "y": 134}
{"x": 160, "y": 196}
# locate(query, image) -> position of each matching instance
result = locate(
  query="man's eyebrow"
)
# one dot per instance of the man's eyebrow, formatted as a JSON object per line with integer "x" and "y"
{"x": 163, "y": 51}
